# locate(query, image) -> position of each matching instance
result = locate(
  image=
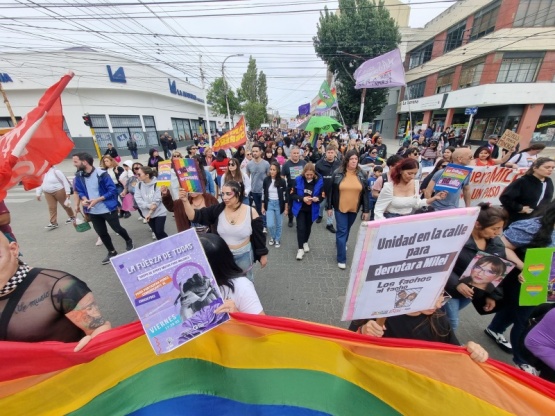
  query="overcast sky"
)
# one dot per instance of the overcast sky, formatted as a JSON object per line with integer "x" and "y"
{"x": 277, "y": 34}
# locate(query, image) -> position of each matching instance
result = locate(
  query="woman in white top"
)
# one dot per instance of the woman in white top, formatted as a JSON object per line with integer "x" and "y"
{"x": 234, "y": 173}
{"x": 237, "y": 291}
{"x": 237, "y": 223}
{"x": 401, "y": 195}
{"x": 56, "y": 190}
{"x": 526, "y": 157}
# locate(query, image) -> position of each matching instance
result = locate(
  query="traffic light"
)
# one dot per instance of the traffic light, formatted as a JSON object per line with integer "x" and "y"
{"x": 200, "y": 121}
{"x": 87, "y": 120}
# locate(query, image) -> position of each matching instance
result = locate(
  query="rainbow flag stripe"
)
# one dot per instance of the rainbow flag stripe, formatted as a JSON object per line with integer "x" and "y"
{"x": 260, "y": 365}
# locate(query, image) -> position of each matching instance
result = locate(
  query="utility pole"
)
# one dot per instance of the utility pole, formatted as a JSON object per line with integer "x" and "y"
{"x": 205, "y": 104}
{"x": 8, "y": 106}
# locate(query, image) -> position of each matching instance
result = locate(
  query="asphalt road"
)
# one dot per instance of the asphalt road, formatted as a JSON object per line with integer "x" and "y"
{"x": 312, "y": 289}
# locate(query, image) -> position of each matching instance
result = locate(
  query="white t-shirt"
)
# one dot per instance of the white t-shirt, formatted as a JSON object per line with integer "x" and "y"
{"x": 244, "y": 296}
{"x": 523, "y": 160}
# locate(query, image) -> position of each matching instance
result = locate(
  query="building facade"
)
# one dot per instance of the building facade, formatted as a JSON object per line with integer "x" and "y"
{"x": 498, "y": 56}
{"x": 123, "y": 98}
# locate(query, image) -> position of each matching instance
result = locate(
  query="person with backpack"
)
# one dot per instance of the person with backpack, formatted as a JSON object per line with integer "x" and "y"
{"x": 526, "y": 157}
{"x": 99, "y": 198}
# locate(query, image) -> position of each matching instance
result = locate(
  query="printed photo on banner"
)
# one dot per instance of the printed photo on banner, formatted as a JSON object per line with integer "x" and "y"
{"x": 187, "y": 171}
{"x": 509, "y": 140}
{"x": 400, "y": 265}
{"x": 164, "y": 173}
{"x": 453, "y": 178}
{"x": 171, "y": 286}
{"x": 486, "y": 271}
{"x": 538, "y": 275}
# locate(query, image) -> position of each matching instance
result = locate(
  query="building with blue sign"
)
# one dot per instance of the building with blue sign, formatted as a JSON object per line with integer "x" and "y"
{"x": 123, "y": 97}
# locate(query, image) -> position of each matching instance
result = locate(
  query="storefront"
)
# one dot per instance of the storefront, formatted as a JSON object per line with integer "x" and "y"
{"x": 545, "y": 128}
{"x": 415, "y": 109}
{"x": 494, "y": 120}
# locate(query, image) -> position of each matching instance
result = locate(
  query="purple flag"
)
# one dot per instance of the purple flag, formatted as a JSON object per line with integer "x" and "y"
{"x": 304, "y": 110}
{"x": 385, "y": 71}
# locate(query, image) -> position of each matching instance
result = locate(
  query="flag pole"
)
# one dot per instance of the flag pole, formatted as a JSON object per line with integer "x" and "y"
{"x": 362, "y": 99}
{"x": 8, "y": 105}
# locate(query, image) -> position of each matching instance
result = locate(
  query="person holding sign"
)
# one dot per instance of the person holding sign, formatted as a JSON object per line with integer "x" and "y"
{"x": 238, "y": 224}
{"x": 401, "y": 196}
{"x": 482, "y": 157}
{"x": 529, "y": 192}
{"x": 428, "y": 325}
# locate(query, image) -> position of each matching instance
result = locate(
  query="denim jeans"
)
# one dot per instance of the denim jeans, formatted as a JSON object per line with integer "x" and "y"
{"x": 329, "y": 220}
{"x": 257, "y": 199}
{"x": 344, "y": 222}
{"x": 452, "y": 309}
{"x": 134, "y": 154}
{"x": 274, "y": 219}
{"x": 244, "y": 258}
{"x": 426, "y": 163}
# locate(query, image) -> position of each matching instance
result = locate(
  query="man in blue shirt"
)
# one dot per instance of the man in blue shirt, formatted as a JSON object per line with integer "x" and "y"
{"x": 99, "y": 198}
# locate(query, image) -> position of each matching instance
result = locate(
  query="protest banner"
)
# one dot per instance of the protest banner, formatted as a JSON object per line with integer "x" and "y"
{"x": 401, "y": 265}
{"x": 187, "y": 171}
{"x": 171, "y": 286}
{"x": 452, "y": 178}
{"x": 488, "y": 182}
{"x": 233, "y": 138}
{"x": 384, "y": 71}
{"x": 509, "y": 140}
{"x": 164, "y": 173}
{"x": 486, "y": 271}
{"x": 538, "y": 274}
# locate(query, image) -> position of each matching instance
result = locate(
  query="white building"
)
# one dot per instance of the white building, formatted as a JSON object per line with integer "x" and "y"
{"x": 122, "y": 97}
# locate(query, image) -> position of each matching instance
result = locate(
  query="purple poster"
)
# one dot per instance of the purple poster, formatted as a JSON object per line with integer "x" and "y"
{"x": 385, "y": 71}
{"x": 172, "y": 288}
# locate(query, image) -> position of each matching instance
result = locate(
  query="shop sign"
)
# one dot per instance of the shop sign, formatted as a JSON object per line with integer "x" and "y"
{"x": 549, "y": 123}
{"x": 432, "y": 102}
{"x": 181, "y": 93}
{"x": 471, "y": 111}
{"x": 117, "y": 76}
{"x": 5, "y": 77}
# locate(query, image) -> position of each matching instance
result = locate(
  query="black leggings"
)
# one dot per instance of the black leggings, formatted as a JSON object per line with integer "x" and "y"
{"x": 99, "y": 224}
{"x": 304, "y": 227}
{"x": 157, "y": 226}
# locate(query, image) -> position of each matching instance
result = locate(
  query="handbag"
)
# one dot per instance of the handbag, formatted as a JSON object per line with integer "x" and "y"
{"x": 82, "y": 225}
{"x": 118, "y": 159}
{"x": 128, "y": 203}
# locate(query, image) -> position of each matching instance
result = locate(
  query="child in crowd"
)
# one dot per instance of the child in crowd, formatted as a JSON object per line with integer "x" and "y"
{"x": 371, "y": 180}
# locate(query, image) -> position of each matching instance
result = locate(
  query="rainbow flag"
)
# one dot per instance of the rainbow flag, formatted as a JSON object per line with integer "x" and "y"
{"x": 187, "y": 171}
{"x": 260, "y": 365}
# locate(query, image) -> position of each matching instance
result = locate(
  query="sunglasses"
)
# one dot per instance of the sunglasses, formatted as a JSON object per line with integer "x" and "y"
{"x": 416, "y": 154}
{"x": 136, "y": 168}
{"x": 231, "y": 164}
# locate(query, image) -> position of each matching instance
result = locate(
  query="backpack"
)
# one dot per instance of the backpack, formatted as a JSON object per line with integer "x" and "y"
{"x": 384, "y": 178}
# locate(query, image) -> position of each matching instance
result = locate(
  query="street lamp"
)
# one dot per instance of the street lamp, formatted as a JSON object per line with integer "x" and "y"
{"x": 363, "y": 96}
{"x": 225, "y": 87}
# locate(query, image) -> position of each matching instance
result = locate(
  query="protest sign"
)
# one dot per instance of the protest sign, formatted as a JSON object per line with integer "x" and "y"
{"x": 164, "y": 173}
{"x": 233, "y": 138}
{"x": 486, "y": 271}
{"x": 509, "y": 140}
{"x": 452, "y": 178}
{"x": 487, "y": 183}
{"x": 538, "y": 274}
{"x": 172, "y": 288}
{"x": 187, "y": 171}
{"x": 401, "y": 265}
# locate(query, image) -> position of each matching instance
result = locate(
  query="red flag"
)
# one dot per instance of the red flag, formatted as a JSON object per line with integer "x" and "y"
{"x": 36, "y": 143}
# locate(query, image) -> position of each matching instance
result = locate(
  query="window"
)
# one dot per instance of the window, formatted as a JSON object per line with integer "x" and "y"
{"x": 471, "y": 73}
{"x": 519, "y": 67}
{"x": 455, "y": 36}
{"x": 484, "y": 21}
{"x": 535, "y": 13}
{"x": 182, "y": 128}
{"x": 444, "y": 81}
{"x": 150, "y": 129}
{"x": 421, "y": 55}
{"x": 416, "y": 89}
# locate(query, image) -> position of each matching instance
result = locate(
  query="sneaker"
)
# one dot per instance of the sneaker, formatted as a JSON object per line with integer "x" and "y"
{"x": 51, "y": 226}
{"x": 153, "y": 236}
{"x": 98, "y": 242}
{"x": 528, "y": 368}
{"x": 70, "y": 220}
{"x": 139, "y": 218}
{"x": 145, "y": 221}
{"x": 342, "y": 266}
{"x": 109, "y": 256}
{"x": 306, "y": 248}
{"x": 500, "y": 340}
{"x": 264, "y": 230}
{"x": 290, "y": 224}
{"x": 129, "y": 245}
{"x": 271, "y": 242}
{"x": 300, "y": 254}
{"x": 277, "y": 244}
{"x": 318, "y": 220}
{"x": 330, "y": 228}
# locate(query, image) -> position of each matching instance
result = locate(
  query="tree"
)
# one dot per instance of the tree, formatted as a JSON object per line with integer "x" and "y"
{"x": 254, "y": 94}
{"x": 216, "y": 96}
{"x": 362, "y": 28}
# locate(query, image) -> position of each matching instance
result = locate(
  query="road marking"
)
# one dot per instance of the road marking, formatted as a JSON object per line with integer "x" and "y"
{"x": 18, "y": 195}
